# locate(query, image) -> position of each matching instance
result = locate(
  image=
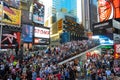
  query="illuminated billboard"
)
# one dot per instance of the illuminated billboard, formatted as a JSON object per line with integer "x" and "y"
{"x": 11, "y": 15}
{"x": 38, "y": 13}
{"x": 104, "y": 40}
{"x": 10, "y": 39}
{"x": 41, "y": 41}
{"x": 41, "y": 35}
{"x": 41, "y": 32}
{"x": 108, "y": 9}
{"x": 117, "y": 51}
{"x": 1, "y": 11}
{"x": 26, "y": 17}
{"x": 27, "y": 33}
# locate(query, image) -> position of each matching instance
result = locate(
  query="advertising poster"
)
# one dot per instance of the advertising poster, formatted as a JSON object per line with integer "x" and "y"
{"x": 41, "y": 41}
{"x": 41, "y": 32}
{"x": 1, "y": 11}
{"x": 65, "y": 37}
{"x": 54, "y": 28}
{"x": 27, "y": 33}
{"x": 13, "y": 3}
{"x": 117, "y": 51}
{"x": 59, "y": 24}
{"x": 41, "y": 35}
{"x": 116, "y": 38}
{"x": 108, "y": 9}
{"x": 11, "y": 15}
{"x": 10, "y": 39}
{"x": 26, "y": 18}
{"x": 38, "y": 13}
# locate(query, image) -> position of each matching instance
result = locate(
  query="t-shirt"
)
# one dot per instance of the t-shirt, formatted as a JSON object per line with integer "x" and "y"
{"x": 108, "y": 72}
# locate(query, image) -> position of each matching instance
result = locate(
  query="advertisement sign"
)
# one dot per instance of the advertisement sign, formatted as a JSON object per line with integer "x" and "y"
{"x": 1, "y": 11}
{"x": 116, "y": 51}
{"x": 41, "y": 41}
{"x": 108, "y": 9}
{"x": 54, "y": 28}
{"x": 11, "y": 15}
{"x": 116, "y": 38}
{"x": 13, "y": 3}
{"x": 27, "y": 33}
{"x": 65, "y": 37}
{"x": 116, "y": 24}
{"x": 26, "y": 18}
{"x": 59, "y": 24}
{"x": 103, "y": 28}
{"x": 9, "y": 39}
{"x": 104, "y": 40}
{"x": 40, "y": 32}
{"x": 117, "y": 48}
{"x": 38, "y": 13}
{"x": 102, "y": 25}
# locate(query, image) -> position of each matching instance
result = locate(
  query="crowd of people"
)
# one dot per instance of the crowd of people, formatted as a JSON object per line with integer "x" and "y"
{"x": 100, "y": 68}
{"x": 43, "y": 64}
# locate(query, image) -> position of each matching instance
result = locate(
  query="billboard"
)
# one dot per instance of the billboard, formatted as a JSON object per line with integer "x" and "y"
{"x": 59, "y": 24}
{"x": 9, "y": 39}
{"x": 117, "y": 51}
{"x": 38, "y": 13}
{"x": 41, "y": 32}
{"x": 41, "y": 35}
{"x": 27, "y": 33}
{"x": 11, "y": 15}
{"x": 54, "y": 28}
{"x": 1, "y": 11}
{"x": 116, "y": 38}
{"x": 104, "y": 40}
{"x": 108, "y": 9}
{"x": 26, "y": 17}
{"x": 13, "y": 3}
{"x": 45, "y": 41}
{"x": 103, "y": 28}
{"x": 65, "y": 37}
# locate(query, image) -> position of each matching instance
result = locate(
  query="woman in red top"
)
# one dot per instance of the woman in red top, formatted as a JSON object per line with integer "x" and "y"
{"x": 58, "y": 76}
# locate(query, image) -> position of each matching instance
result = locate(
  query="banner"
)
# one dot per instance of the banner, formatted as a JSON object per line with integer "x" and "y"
{"x": 108, "y": 9}
{"x": 27, "y": 33}
{"x": 10, "y": 39}
{"x": 38, "y": 13}
{"x": 11, "y": 15}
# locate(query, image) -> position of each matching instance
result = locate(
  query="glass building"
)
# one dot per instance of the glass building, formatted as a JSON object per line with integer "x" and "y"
{"x": 93, "y": 13}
